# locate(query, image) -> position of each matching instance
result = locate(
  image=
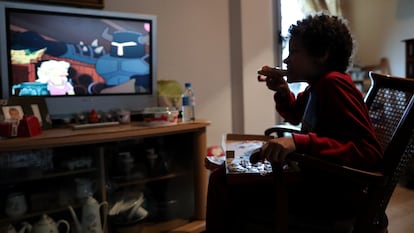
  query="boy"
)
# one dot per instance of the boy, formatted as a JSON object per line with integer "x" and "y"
{"x": 335, "y": 126}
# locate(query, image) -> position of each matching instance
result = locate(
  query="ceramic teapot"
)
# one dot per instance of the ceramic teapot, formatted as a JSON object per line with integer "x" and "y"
{"x": 91, "y": 218}
{"x": 45, "y": 224}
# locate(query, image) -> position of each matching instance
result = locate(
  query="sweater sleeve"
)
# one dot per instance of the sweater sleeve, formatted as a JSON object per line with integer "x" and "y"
{"x": 290, "y": 107}
{"x": 345, "y": 134}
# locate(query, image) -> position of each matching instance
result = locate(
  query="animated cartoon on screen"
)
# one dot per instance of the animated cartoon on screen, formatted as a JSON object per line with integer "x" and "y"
{"x": 113, "y": 61}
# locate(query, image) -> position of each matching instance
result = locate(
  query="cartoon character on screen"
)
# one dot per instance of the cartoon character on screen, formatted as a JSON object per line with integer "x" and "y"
{"x": 26, "y": 56}
{"x": 126, "y": 63}
{"x": 30, "y": 45}
{"x": 55, "y": 74}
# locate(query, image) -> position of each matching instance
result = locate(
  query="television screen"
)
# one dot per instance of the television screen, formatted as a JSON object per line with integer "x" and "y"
{"x": 66, "y": 54}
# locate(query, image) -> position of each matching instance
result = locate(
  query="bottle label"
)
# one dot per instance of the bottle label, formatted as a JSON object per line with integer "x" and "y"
{"x": 192, "y": 100}
{"x": 188, "y": 100}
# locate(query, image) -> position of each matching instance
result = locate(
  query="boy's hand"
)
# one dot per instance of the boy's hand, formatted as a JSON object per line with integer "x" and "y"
{"x": 275, "y": 150}
{"x": 274, "y": 78}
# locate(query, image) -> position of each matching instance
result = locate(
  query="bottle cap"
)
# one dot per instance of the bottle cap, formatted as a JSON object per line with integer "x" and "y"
{"x": 187, "y": 84}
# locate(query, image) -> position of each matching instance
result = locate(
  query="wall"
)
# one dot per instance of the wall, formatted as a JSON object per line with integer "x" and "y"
{"x": 218, "y": 46}
{"x": 258, "y": 50}
{"x": 193, "y": 45}
{"x": 380, "y": 26}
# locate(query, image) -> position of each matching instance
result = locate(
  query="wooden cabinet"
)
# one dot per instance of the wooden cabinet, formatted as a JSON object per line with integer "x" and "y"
{"x": 117, "y": 160}
{"x": 409, "y": 58}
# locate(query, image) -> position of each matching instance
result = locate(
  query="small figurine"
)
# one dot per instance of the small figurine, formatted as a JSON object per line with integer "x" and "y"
{"x": 93, "y": 117}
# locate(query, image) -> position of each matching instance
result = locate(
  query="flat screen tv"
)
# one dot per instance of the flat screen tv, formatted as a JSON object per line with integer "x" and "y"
{"x": 78, "y": 59}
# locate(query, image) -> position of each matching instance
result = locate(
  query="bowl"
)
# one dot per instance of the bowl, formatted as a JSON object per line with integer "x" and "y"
{"x": 128, "y": 210}
{"x": 154, "y": 116}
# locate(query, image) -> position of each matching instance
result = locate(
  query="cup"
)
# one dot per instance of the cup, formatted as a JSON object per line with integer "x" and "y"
{"x": 137, "y": 213}
{"x": 7, "y": 229}
{"x": 16, "y": 204}
{"x": 125, "y": 163}
{"x": 11, "y": 229}
{"x": 124, "y": 117}
{"x": 84, "y": 188}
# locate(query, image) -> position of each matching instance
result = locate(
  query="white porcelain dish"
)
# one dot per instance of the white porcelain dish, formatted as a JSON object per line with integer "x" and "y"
{"x": 154, "y": 116}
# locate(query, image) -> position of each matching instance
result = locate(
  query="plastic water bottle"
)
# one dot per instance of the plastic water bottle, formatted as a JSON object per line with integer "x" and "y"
{"x": 188, "y": 104}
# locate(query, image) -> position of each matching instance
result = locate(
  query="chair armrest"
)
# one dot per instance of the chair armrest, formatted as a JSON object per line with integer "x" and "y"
{"x": 356, "y": 175}
{"x": 281, "y": 129}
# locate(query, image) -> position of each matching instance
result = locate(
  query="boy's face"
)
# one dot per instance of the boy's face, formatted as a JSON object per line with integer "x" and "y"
{"x": 301, "y": 66}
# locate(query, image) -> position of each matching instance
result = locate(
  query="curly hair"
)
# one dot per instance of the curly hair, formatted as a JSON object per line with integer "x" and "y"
{"x": 322, "y": 33}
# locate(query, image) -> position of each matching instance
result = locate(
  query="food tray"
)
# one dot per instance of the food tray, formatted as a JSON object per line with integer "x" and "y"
{"x": 238, "y": 148}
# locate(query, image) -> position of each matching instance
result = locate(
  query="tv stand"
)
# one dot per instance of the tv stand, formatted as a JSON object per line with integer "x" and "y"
{"x": 184, "y": 143}
{"x": 95, "y": 125}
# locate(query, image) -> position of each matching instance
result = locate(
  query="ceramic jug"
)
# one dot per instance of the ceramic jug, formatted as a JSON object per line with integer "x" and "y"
{"x": 91, "y": 218}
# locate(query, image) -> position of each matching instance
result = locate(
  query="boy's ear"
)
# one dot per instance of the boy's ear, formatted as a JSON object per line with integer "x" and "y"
{"x": 322, "y": 59}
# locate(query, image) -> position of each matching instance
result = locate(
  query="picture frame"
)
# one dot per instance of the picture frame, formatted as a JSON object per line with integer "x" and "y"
{"x": 2, "y": 103}
{"x": 17, "y": 107}
{"x": 79, "y": 3}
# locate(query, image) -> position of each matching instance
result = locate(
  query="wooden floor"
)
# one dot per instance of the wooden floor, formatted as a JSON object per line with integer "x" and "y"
{"x": 400, "y": 211}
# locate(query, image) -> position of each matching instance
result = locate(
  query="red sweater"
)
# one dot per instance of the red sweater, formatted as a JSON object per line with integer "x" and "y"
{"x": 335, "y": 122}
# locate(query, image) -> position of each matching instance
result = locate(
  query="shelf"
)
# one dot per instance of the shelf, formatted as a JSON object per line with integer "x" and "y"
{"x": 49, "y": 175}
{"x": 5, "y": 219}
{"x": 101, "y": 145}
{"x": 148, "y": 227}
{"x": 122, "y": 182}
{"x": 68, "y": 137}
{"x": 171, "y": 226}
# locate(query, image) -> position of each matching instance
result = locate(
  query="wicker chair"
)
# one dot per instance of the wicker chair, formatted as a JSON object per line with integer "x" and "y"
{"x": 390, "y": 101}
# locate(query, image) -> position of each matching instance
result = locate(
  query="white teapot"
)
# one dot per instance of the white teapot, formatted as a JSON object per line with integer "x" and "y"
{"x": 45, "y": 224}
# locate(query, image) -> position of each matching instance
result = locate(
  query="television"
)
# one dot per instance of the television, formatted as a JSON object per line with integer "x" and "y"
{"x": 78, "y": 59}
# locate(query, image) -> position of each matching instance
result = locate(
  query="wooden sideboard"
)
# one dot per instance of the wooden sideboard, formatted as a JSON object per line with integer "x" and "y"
{"x": 185, "y": 141}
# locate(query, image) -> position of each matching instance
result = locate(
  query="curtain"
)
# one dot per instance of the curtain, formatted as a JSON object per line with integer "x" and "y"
{"x": 311, "y": 6}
